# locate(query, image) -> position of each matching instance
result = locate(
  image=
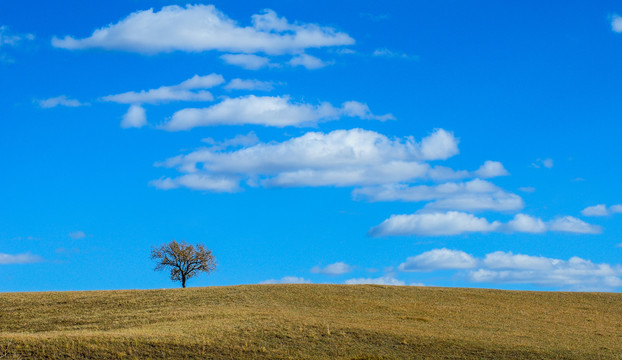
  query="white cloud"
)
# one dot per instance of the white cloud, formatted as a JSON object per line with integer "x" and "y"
{"x": 455, "y": 223}
{"x": 573, "y": 225}
{"x": 59, "y": 101}
{"x": 77, "y": 235}
{"x": 491, "y": 169}
{"x": 239, "y": 140}
{"x": 135, "y": 117}
{"x": 240, "y": 84}
{"x": 247, "y": 61}
{"x": 287, "y": 280}
{"x": 8, "y": 38}
{"x": 616, "y": 23}
{"x": 526, "y": 224}
{"x": 439, "y": 259}
{"x": 574, "y": 274}
{"x": 338, "y": 268}
{"x": 386, "y": 53}
{"x": 433, "y": 224}
{"x": 26, "y": 258}
{"x": 474, "y": 195}
{"x": 339, "y": 158}
{"x": 307, "y": 61}
{"x": 507, "y": 260}
{"x": 267, "y": 111}
{"x": 601, "y": 210}
{"x": 385, "y": 280}
{"x": 199, "y": 182}
{"x": 509, "y": 268}
{"x": 179, "y": 92}
{"x": 547, "y": 163}
{"x": 202, "y": 28}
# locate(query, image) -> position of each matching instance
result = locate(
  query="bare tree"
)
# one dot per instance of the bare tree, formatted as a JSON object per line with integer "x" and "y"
{"x": 184, "y": 260}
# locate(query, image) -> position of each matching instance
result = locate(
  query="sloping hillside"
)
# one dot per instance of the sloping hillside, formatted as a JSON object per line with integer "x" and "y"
{"x": 311, "y": 321}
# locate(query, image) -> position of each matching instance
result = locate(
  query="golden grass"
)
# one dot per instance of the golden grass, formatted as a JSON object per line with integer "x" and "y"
{"x": 311, "y": 322}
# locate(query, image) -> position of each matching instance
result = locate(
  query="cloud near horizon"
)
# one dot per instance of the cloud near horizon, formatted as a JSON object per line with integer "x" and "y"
{"x": 508, "y": 268}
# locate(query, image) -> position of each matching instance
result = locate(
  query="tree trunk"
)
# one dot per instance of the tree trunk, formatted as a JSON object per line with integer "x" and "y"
{"x": 183, "y": 280}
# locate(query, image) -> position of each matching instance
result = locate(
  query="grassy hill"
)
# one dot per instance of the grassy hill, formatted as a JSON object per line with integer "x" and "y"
{"x": 311, "y": 321}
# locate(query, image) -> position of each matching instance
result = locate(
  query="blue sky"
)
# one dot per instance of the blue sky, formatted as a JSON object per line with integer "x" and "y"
{"x": 445, "y": 143}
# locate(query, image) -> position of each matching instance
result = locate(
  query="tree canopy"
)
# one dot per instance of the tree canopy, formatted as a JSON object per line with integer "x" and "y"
{"x": 184, "y": 260}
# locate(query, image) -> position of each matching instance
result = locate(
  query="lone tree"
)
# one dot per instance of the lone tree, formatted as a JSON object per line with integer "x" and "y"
{"x": 184, "y": 260}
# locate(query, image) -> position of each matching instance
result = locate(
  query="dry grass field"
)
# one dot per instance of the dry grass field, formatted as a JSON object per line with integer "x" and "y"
{"x": 311, "y": 322}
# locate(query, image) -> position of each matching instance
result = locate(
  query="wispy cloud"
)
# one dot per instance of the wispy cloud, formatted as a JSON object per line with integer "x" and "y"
{"x": 185, "y": 91}
{"x": 277, "y": 111}
{"x": 547, "y": 163}
{"x": 249, "y": 84}
{"x": 474, "y": 195}
{"x": 25, "y": 258}
{"x": 386, "y": 53}
{"x": 384, "y": 280}
{"x": 79, "y": 234}
{"x": 287, "y": 280}
{"x": 616, "y": 23}
{"x": 248, "y": 61}
{"x": 62, "y": 100}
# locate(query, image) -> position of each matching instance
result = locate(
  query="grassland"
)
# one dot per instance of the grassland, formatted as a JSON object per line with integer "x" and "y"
{"x": 312, "y": 322}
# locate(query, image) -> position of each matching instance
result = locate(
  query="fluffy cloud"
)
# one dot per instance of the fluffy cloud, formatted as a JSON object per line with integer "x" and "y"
{"x": 247, "y": 61}
{"x": 455, "y": 223}
{"x": 339, "y": 158}
{"x": 616, "y": 23}
{"x": 287, "y": 280}
{"x": 491, "y": 169}
{"x": 240, "y": 84}
{"x": 474, "y": 195}
{"x": 26, "y": 258}
{"x": 135, "y": 117}
{"x": 197, "y": 28}
{"x": 433, "y": 224}
{"x": 601, "y": 210}
{"x": 509, "y": 268}
{"x": 439, "y": 259}
{"x": 575, "y": 273}
{"x": 59, "y": 101}
{"x": 267, "y": 111}
{"x": 573, "y": 225}
{"x": 385, "y": 280}
{"x": 180, "y": 92}
{"x": 338, "y": 268}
